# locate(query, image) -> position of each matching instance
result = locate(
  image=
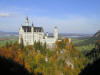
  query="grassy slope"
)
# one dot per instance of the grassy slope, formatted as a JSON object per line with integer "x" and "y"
{"x": 8, "y": 39}
{"x": 82, "y": 43}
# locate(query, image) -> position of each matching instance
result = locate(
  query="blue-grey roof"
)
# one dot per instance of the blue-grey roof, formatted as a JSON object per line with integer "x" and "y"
{"x": 28, "y": 29}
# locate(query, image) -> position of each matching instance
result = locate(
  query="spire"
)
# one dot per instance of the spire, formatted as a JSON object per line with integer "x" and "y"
{"x": 27, "y": 22}
{"x": 32, "y": 24}
{"x": 55, "y": 27}
{"x": 32, "y": 28}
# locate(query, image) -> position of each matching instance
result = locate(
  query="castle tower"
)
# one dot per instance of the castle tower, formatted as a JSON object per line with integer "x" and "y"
{"x": 20, "y": 33}
{"x": 56, "y": 33}
{"x": 32, "y": 31}
{"x": 47, "y": 34}
{"x": 27, "y": 22}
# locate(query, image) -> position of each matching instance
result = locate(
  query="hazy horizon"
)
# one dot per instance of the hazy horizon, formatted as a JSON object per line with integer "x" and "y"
{"x": 70, "y": 16}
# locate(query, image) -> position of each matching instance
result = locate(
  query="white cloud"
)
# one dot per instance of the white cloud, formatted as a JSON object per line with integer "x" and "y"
{"x": 77, "y": 24}
{"x": 5, "y": 14}
{"x": 70, "y": 24}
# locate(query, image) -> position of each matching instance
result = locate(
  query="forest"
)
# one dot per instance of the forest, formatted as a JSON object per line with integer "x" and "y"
{"x": 67, "y": 58}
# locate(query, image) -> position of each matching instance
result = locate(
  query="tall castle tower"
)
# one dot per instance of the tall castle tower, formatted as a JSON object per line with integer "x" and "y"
{"x": 32, "y": 33}
{"x": 27, "y": 22}
{"x": 56, "y": 33}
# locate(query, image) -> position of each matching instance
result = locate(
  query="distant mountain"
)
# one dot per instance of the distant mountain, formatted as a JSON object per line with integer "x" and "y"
{"x": 3, "y": 34}
{"x": 70, "y": 35}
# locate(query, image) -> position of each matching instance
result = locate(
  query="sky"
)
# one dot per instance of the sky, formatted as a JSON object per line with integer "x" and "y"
{"x": 70, "y": 16}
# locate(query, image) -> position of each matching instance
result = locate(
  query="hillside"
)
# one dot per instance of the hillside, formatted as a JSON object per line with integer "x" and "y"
{"x": 3, "y": 34}
{"x": 10, "y": 67}
{"x": 83, "y": 41}
{"x": 94, "y": 58}
{"x": 96, "y": 36}
{"x": 92, "y": 69}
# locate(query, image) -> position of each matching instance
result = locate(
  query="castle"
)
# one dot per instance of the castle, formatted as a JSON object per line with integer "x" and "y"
{"x": 30, "y": 34}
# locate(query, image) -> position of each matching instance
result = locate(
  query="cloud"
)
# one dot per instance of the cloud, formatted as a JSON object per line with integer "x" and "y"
{"x": 5, "y": 14}
{"x": 77, "y": 24}
{"x": 70, "y": 24}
